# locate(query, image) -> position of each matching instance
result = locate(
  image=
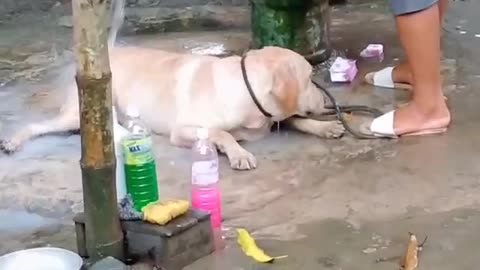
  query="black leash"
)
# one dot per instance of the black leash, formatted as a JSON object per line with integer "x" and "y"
{"x": 337, "y": 109}
{"x": 340, "y": 110}
{"x": 249, "y": 87}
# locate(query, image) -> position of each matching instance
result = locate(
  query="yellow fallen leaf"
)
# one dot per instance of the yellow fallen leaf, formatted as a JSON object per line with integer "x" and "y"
{"x": 251, "y": 249}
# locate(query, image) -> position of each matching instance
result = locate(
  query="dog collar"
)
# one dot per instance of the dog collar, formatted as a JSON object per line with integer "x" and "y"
{"x": 249, "y": 88}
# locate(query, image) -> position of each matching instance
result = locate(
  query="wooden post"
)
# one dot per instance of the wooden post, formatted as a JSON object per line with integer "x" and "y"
{"x": 103, "y": 232}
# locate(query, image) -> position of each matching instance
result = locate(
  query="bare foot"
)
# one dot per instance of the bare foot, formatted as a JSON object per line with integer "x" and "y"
{"x": 402, "y": 73}
{"x": 415, "y": 118}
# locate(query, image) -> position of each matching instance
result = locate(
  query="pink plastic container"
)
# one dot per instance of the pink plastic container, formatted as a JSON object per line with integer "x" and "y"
{"x": 208, "y": 199}
{"x": 205, "y": 187}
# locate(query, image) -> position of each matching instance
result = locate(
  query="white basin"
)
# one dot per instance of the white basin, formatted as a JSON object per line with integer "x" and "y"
{"x": 41, "y": 259}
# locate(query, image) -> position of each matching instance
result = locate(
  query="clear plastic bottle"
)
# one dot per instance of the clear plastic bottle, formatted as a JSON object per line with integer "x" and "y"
{"x": 140, "y": 169}
{"x": 205, "y": 178}
{"x": 119, "y": 133}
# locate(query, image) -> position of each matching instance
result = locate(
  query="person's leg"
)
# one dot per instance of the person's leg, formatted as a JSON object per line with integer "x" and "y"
{"x": 403, "y": 72}
{"x": 419, "y": 34}
{"x": 442, "y": 8}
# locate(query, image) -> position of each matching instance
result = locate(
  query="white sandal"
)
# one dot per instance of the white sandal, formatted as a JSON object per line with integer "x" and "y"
{"x": 383, "y": 127}
{"x": 384, "y": 78}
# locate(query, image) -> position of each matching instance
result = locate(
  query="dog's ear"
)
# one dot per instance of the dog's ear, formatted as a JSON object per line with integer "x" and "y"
{"x": 286, "y": 88}
{"x": 281, "y": 65}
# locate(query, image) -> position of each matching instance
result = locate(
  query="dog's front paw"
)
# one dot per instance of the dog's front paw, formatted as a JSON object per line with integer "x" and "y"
{"x": 242, "y": 160}
{"x": 8, "y": 147}
{"x": 334, "y": 130}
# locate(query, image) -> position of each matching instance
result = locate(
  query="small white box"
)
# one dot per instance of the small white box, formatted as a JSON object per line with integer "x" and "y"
{"x": 343, "y": 70}
{"x": 372, "y": 50}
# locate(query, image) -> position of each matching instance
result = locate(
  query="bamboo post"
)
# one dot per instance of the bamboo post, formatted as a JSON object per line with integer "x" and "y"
{"x": 103, "y": 232}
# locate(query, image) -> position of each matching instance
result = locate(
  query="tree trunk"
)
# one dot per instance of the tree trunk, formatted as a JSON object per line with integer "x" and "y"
{"x": 104, "y": 235}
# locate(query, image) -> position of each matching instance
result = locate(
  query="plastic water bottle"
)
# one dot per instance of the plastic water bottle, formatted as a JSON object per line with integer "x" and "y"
{"x": 205, "y": 186}
{"x": 140, "y": 169}
{"x": 119, "y": 133}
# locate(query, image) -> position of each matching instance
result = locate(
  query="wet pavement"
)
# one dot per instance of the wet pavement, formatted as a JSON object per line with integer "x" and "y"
{"x": 328, "y": 204}
{"x": 336, "y": 244}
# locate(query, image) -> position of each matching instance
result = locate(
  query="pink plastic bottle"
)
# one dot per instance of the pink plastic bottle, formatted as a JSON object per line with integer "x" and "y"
{"x": 205, "y": 187}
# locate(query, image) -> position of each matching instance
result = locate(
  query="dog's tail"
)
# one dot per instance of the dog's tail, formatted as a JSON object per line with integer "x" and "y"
{"x": 117, "y": 9}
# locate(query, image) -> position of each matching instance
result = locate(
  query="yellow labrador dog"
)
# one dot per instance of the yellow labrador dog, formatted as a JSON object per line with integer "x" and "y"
{"x": 178, "y": 93}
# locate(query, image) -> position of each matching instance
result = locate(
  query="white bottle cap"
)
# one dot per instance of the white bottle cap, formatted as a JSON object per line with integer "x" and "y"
{"x": 133, "y": 112}
{"x": 202, "y": 133}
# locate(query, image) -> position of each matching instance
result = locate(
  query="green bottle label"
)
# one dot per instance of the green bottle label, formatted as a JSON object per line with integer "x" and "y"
{"x": 137, "y": 151}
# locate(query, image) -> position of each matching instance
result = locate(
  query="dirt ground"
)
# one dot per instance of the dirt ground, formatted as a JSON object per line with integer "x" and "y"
{"x": 328, "y": 204}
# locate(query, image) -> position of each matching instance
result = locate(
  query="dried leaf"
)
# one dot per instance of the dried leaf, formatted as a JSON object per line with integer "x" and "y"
{"x": 410, "y": 260}
{"x": 251, "y": 249}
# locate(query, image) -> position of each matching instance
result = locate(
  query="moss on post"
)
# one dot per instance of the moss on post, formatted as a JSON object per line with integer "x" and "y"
{"x": 103, "y": 232}
{"x": 299, "y": 25}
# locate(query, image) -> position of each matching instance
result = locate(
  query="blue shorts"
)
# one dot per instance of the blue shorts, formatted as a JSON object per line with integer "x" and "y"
{"x": 402, "y": 7}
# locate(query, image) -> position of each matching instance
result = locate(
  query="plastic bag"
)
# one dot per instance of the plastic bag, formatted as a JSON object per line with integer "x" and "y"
{"x": 126, "y": 210}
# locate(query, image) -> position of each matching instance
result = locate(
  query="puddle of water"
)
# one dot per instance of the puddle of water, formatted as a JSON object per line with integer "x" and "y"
{"x": 218, "y": 43}
{"x": 13, "y": 221}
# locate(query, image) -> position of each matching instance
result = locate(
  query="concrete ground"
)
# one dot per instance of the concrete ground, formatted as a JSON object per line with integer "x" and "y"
{"x": 327, "y": 204}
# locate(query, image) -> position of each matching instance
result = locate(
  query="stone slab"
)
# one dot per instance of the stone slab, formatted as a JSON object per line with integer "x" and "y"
{"x": 174, "y": 246}
{"x": 179, "y": 243}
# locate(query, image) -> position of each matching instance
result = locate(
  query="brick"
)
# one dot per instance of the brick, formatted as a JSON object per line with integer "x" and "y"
{"x": 173, "y": 246}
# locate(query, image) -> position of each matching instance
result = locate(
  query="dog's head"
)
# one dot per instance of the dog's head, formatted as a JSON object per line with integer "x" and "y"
{"x": 291, "y": 84}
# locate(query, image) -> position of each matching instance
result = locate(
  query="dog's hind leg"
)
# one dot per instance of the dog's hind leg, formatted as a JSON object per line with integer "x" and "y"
{"x": 67, "y": 120}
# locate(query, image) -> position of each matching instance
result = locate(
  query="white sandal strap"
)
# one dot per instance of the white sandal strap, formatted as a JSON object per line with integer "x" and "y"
{"x": 384, "y": 78}
{"x": 384, "y": 125}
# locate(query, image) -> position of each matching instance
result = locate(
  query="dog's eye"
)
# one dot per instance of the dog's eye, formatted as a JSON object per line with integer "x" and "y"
{"x": 308, "y": 113}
